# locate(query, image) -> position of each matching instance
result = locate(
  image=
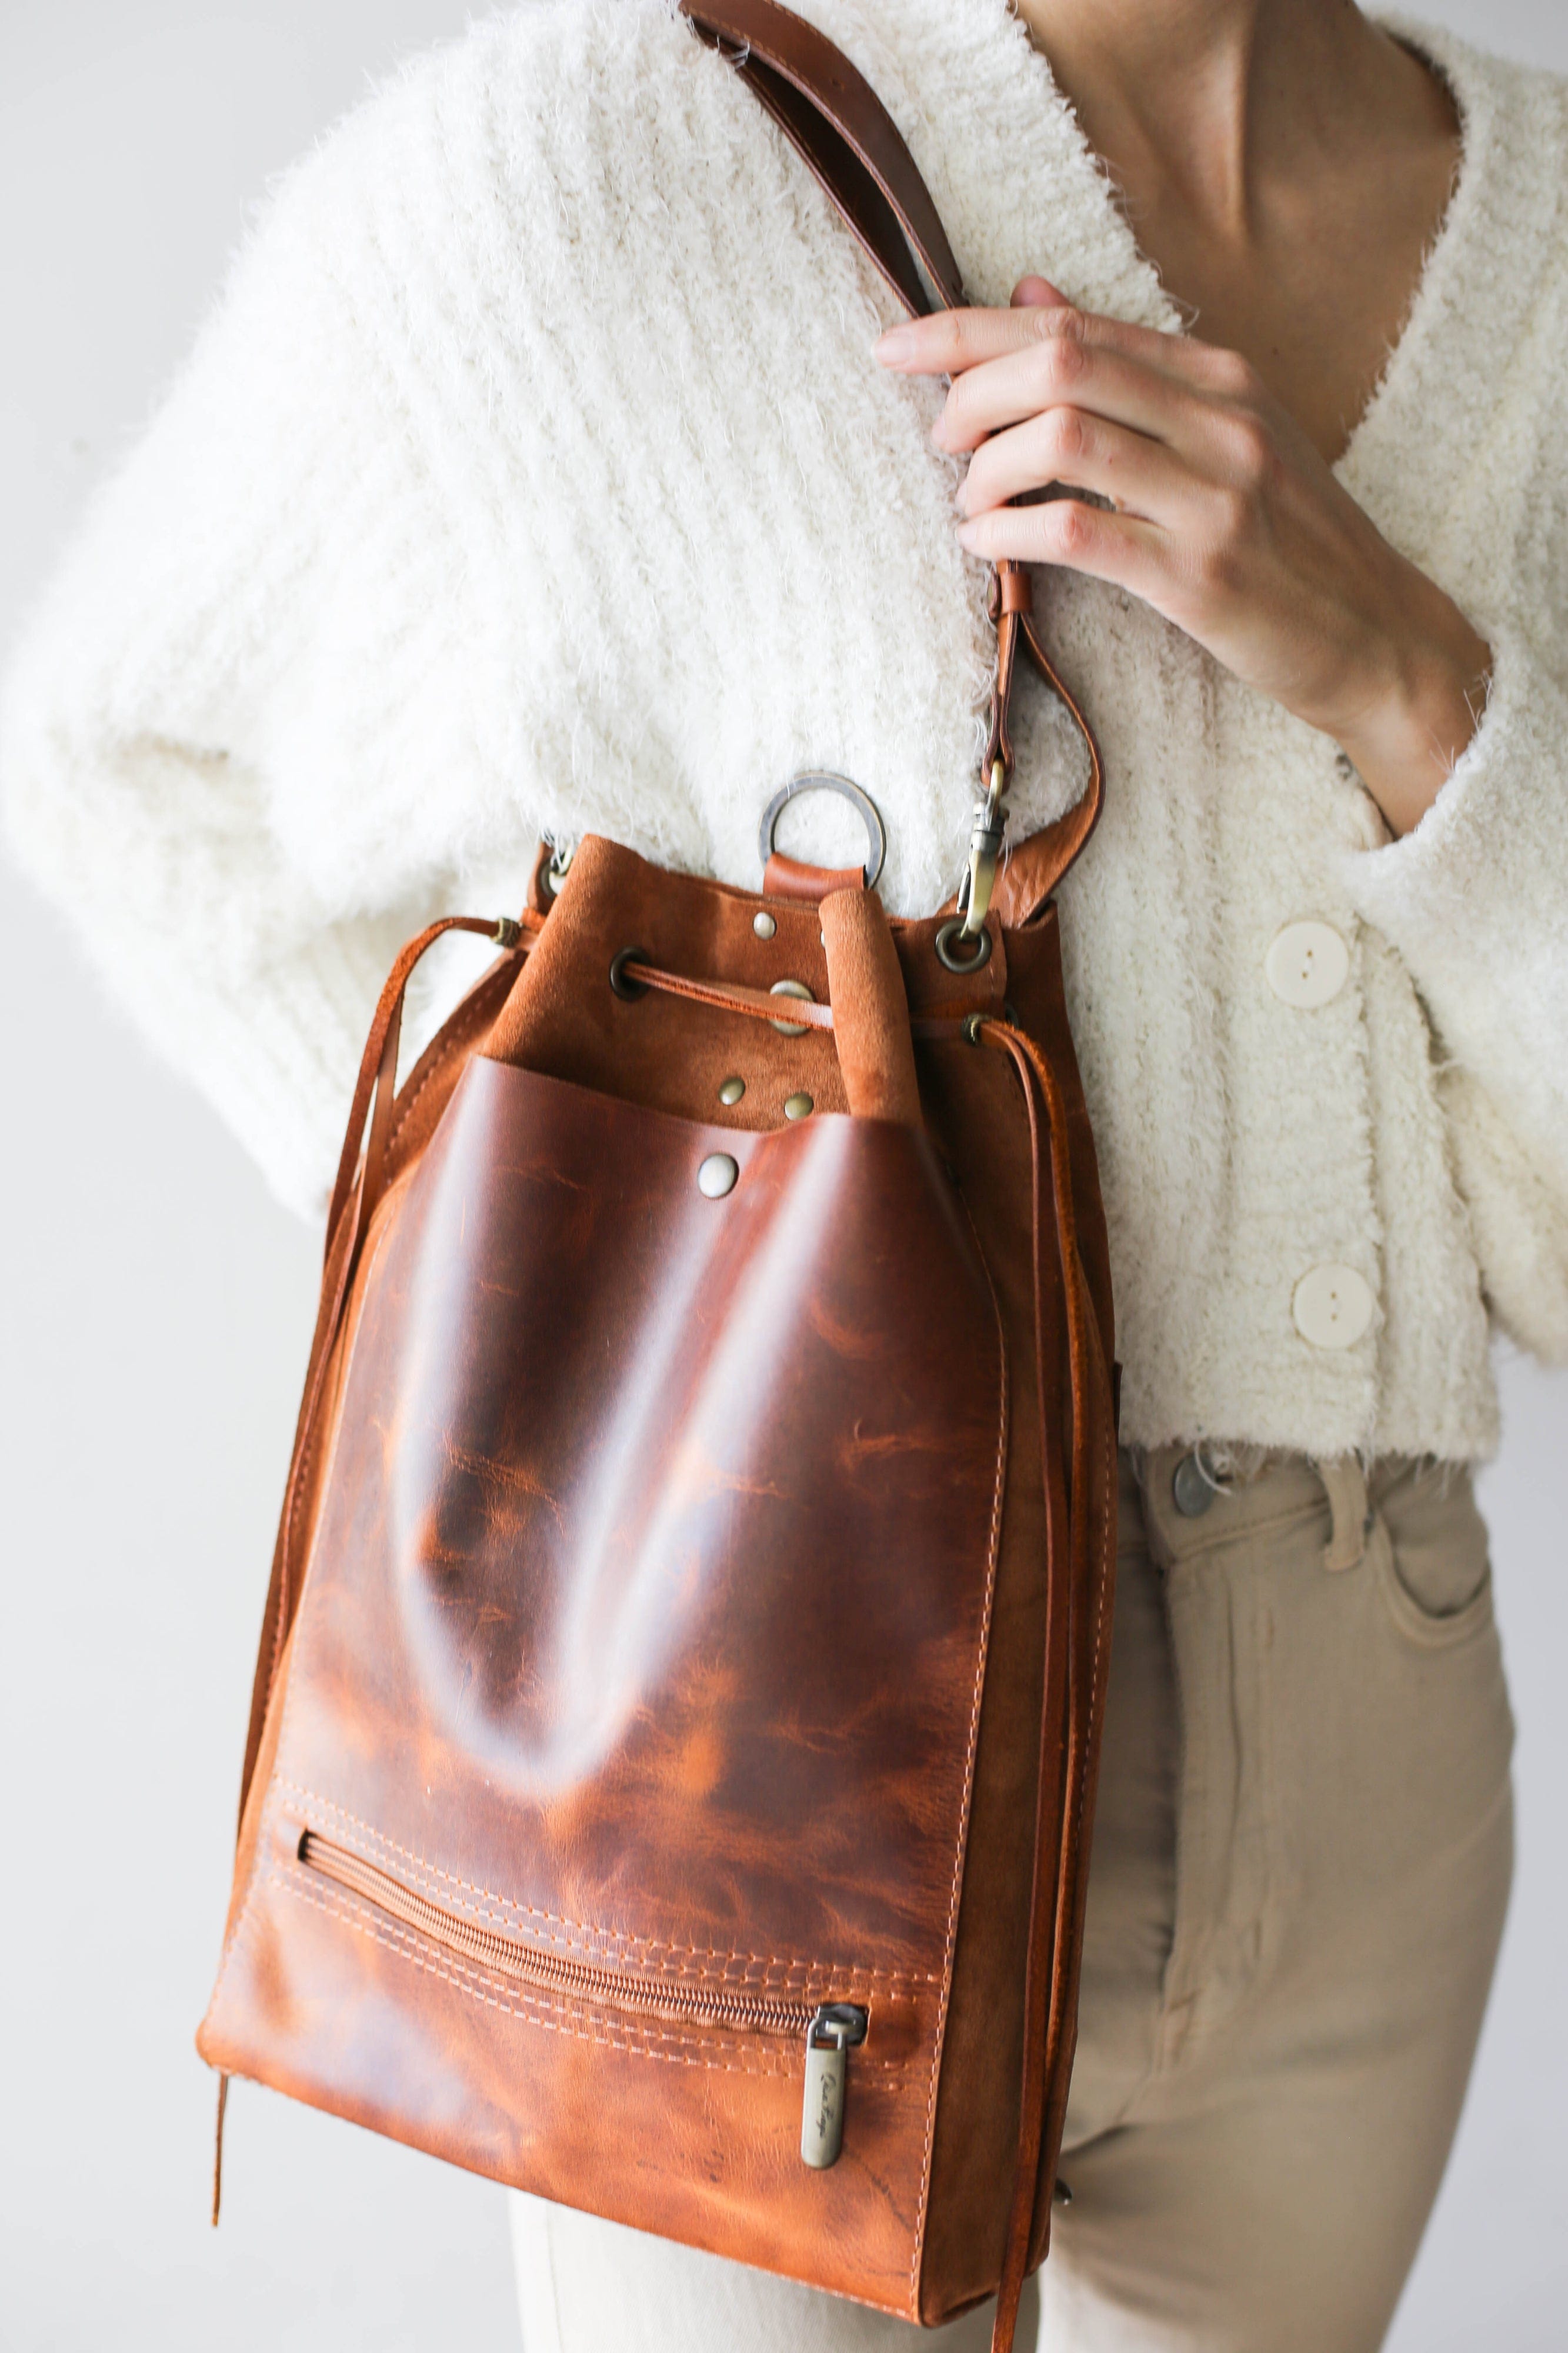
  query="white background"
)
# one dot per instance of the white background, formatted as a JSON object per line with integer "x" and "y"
{"x": 156, "y": 1310}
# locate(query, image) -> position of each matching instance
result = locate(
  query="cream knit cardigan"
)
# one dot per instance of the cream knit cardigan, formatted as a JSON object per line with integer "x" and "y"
{"x": 534, "y": 474}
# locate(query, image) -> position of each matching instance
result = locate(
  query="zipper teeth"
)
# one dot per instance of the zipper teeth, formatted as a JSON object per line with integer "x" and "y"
{"x": 526, "y": 1963}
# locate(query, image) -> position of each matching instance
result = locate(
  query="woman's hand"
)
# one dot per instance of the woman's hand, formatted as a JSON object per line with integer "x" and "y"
{"x": 1223, "y": 516}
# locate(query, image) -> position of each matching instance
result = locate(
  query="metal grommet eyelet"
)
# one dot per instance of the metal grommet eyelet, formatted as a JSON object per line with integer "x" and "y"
{"x": 628, "y": 991}
{"x": 798, "y": 1106}
{"x": 557, "y": 868}
{"x": 972, "y": 1022}
{"x": 791, "y": 989}
{"x": 763, "y": 924}
{"x": 731, "y": 1090}
{"x": 954, "y": 930}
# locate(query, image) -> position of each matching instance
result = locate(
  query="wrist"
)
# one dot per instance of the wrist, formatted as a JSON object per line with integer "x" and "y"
{"x": 1409, "y": 732}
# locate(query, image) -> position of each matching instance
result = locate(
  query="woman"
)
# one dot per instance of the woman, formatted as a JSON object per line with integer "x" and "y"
{"x": 536, "y": 474}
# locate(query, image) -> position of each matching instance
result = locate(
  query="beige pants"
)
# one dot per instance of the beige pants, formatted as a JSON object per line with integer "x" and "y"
{"x": 1301, "y": 1863}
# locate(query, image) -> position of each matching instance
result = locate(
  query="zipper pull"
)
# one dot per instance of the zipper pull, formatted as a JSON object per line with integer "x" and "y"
{"x": 833, "y": 2033}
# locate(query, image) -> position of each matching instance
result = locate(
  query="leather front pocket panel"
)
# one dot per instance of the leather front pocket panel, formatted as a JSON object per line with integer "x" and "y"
{"x": 646, "y": 1619}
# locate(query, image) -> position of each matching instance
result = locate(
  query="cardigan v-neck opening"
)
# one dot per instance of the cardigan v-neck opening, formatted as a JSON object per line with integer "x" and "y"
{"x": 1177, "y": 309}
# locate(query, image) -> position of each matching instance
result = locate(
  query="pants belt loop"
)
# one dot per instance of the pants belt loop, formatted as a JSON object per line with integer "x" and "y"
{"x": 1344, "y": 1483}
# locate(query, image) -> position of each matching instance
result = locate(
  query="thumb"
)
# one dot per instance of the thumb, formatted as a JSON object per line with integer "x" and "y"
{"x": 1036, "y": 293}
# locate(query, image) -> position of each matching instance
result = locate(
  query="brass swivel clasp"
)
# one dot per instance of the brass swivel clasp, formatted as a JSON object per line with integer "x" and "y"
{"x": 985, "y": 853}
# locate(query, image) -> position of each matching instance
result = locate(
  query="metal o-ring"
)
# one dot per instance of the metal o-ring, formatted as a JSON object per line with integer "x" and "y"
{"x": 951, "y": 930}
{"x": 628, "y": 991}
{"x": 821, "y": 780}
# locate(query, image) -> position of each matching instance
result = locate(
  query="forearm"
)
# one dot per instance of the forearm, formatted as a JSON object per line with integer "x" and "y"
{"x": 1474, "y": 900}
{"x": 1406, "y": 740}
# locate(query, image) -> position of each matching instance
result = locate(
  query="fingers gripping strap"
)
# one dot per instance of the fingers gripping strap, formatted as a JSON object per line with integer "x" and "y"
{"x": 851, "y": 143}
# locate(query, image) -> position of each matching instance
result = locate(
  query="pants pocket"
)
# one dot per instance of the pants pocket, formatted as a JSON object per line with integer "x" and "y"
{"x": 1428, "y": 1543}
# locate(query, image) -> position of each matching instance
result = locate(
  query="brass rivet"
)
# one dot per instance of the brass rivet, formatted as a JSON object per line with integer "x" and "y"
{"x": 763, "y": 924}
{"x": 791, "y": 989}
{"x": 798, "y": 1107}
{"x": 732, "y": 1091}
{"x": 717, "y": 1176}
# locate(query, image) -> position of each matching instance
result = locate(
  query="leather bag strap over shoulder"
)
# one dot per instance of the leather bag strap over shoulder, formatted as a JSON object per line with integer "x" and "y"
{"x": 854, "y": 149}
{"x": 828, "y": 110}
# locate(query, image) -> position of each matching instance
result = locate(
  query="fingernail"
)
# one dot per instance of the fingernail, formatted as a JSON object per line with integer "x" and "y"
{"x": 969, "y": 536}
{"x": 897, "y": 344}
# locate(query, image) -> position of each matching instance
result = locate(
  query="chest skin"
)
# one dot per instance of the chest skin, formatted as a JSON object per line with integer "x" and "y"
{"x": 1303, "y": 249}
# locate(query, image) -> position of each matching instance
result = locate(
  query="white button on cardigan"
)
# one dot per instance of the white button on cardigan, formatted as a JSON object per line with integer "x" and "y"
{"x": 1333, "y": 1307}
{"x": 1307, "y": 965}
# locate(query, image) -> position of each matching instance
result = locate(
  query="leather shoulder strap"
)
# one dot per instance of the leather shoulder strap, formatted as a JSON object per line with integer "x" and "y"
{"x": 829, "y": 111}
{"x": 832, "y": 116}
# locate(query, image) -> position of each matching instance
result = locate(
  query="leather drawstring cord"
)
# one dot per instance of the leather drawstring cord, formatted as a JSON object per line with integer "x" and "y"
{"x": 1065, "y": 1704}
{"x": 218, "y": 2147}
{"x": 726, "y": 997}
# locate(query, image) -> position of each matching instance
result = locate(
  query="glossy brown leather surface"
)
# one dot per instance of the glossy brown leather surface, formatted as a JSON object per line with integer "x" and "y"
{"x": 654, "y": 1542}
{"x": 646, "y": 1617}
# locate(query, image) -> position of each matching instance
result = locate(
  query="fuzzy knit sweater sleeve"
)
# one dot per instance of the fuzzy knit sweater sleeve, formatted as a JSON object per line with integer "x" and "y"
{"x": 256, "y": 615}
{"x": 1475, "y": 901}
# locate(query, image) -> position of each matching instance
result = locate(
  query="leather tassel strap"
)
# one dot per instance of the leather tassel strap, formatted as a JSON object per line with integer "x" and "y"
{"x": 1065, "y": 1703}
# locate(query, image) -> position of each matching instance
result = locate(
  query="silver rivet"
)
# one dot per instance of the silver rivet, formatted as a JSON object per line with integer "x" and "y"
{"x": 717, "y": 1176}
{"x": 791, "y": 989}
{"x": 763, "y": 924}
{"x": 1192, "y": 1489}
{"x": 732, "y": 1091}
{"x": 798, "y": 1107}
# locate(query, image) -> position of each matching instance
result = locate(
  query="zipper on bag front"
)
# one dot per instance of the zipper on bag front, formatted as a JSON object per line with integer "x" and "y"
{"x": 829, "y": 2030}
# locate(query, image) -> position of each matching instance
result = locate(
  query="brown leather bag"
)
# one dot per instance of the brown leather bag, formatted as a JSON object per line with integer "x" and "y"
{"x": 671, "y": 1765}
